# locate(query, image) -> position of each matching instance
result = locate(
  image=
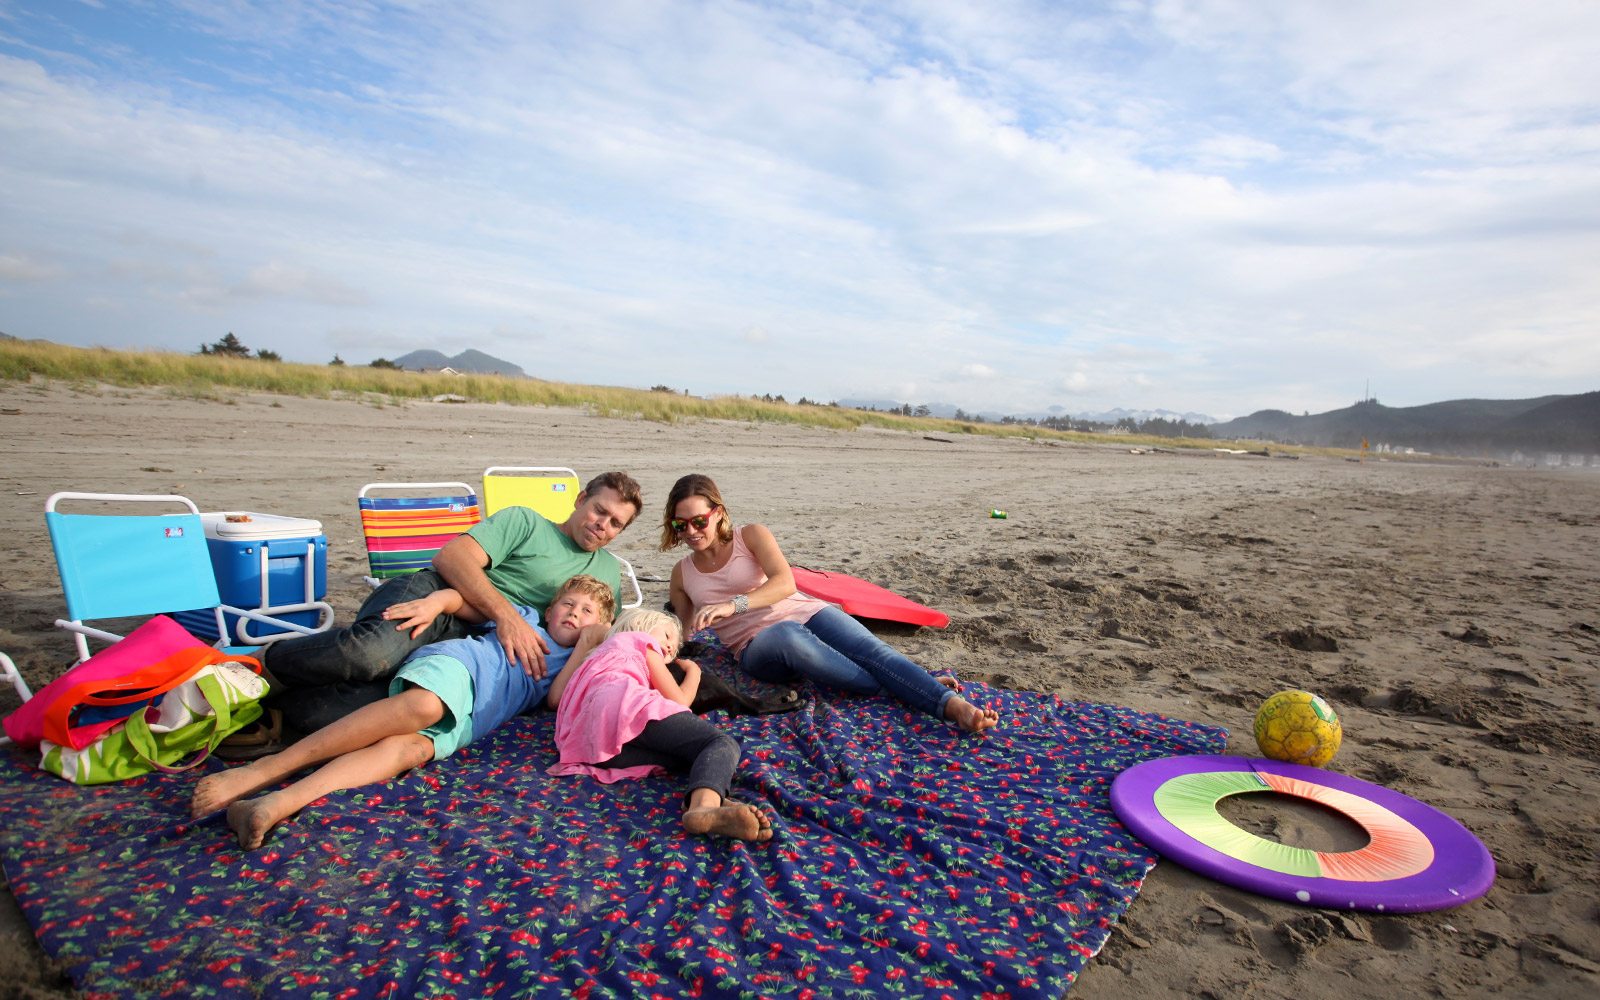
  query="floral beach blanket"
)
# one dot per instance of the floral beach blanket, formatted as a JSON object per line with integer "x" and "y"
{"x": 907, "y": 860}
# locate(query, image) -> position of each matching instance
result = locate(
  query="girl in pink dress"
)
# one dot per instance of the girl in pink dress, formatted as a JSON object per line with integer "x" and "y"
{"x": 620, "y": 714}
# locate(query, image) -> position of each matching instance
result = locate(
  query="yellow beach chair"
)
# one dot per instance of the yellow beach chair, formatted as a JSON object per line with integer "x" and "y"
{"x": 552, "y": 490}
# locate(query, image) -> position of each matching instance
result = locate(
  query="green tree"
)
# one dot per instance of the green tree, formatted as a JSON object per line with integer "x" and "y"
{"x": 383, "y": 363}
{"x": 337, "y": 362}
{"x": 263, "y": 354}
{"x": 228, "y": 347}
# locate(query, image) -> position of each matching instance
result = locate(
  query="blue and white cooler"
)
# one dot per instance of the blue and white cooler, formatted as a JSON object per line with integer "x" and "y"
{"x": 268, "y": 563}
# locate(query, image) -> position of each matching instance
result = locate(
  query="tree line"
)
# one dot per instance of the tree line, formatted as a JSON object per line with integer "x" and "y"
{"x": 231, "y": 346}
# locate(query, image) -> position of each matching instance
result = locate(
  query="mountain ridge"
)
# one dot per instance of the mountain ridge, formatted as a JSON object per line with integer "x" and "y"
{"x": 1542, "y": 423}
{"x": 468, "y": 362}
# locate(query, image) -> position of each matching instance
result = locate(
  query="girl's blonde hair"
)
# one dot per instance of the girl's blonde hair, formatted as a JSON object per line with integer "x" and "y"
{"x": 644, "y": 619}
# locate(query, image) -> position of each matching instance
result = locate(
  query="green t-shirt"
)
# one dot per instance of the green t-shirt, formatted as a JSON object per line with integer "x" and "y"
{"x": 530, "y": 558}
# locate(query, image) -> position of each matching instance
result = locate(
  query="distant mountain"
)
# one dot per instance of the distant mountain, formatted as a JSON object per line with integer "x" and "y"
{"x": 1546, "y": 423}
{"x": 1112, "y": 416}
{"x": 948, "y": 410}
{"x": 467, "y": 362}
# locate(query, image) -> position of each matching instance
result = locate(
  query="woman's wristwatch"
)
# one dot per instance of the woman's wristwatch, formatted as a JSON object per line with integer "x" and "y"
{"x": 741, "y": 603}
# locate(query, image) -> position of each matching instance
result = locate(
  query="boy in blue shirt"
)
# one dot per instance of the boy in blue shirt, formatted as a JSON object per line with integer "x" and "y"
{"x": 444, "y": 696}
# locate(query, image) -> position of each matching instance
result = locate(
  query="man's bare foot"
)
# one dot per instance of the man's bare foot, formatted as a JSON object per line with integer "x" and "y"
{"x": 969, "y": 716}
{"x": 251, "y": 821}
{"x": 224, "y": 788}
{"x": 731, "y": 819}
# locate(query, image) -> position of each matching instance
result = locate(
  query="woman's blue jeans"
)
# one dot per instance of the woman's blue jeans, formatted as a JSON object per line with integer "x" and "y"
{"x": 833, "y": 650}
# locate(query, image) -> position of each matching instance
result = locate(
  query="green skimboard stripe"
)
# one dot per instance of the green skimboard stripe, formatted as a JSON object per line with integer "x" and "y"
{"x": 1189, "y": 802}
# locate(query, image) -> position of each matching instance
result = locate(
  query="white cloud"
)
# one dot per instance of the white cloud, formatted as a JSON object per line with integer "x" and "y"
{"x": 1185, "y": 204}
{"x": 23, "y": 268}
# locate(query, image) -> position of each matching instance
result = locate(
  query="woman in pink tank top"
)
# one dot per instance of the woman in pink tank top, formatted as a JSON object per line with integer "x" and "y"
{"x": 737, "y": 582}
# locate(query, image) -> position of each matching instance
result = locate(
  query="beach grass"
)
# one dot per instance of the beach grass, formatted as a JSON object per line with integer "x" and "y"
{"x": 213, "y": 378}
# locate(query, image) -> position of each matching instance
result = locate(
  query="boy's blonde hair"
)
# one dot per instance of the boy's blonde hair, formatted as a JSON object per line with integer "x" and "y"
{"x": 644, "y": 619}
{"x": 587, "y": 586}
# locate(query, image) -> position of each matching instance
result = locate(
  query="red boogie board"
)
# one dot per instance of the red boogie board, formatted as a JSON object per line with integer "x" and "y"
{"x": 866, "y": 600}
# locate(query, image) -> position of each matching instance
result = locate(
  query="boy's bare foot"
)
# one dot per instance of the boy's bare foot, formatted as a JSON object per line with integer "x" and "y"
{"x": 731, "y": 819}
{"x": 251, "y": 821}
{"x": 969, "y": 716}
{"x": 224, "y": 788}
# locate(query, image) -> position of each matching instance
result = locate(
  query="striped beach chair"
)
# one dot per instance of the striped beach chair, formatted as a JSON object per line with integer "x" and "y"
{"x": 408, "y": 525}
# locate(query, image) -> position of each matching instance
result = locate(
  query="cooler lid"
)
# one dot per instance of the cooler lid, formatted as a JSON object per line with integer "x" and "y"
{"x": 248, "y": 526}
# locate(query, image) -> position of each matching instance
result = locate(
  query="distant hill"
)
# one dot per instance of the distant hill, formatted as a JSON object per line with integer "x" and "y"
{"x": 1458, "y": 426}
{"x": 468, "y": 361}
{"x": 948, "y": 410}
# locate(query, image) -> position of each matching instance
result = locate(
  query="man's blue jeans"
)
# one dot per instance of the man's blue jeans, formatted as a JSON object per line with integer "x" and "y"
{"x": 835, "y": 651}
{"x": 333, "y": 673}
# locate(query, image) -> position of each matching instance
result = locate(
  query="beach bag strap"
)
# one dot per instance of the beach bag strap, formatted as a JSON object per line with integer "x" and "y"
{"x": 176, "y": 733}
{"x": 198, "y": 738}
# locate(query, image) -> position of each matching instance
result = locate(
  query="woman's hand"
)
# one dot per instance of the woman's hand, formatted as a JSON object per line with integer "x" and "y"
{"x": 710, "y": 613}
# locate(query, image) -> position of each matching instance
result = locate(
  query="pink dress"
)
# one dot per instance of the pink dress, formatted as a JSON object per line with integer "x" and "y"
{"x": 608, "y": 702}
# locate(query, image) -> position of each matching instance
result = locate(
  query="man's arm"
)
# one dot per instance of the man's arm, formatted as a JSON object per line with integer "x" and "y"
{"x": 461, "y": 562}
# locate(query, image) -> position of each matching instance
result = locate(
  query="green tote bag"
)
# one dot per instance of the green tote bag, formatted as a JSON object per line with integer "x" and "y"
{"x": 176, "y": 734}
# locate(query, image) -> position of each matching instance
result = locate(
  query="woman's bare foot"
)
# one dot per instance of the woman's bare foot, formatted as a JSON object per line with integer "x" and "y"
{"x": 950, "y": 681}
{"x": 731, "y": 819}
{"x": 969, "y": 716}
{"x": 252, "y": 819}
{"x": 224, "y": 788}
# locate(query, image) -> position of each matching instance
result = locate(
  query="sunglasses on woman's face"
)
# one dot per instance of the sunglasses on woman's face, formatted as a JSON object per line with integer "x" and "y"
{"x": 680, "y": 524}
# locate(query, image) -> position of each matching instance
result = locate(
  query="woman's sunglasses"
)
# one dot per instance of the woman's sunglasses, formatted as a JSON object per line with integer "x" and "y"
{"x": 679, "y": 525}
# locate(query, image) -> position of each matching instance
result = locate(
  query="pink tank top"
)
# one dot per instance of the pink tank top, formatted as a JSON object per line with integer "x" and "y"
{"x": 740, "y": 575}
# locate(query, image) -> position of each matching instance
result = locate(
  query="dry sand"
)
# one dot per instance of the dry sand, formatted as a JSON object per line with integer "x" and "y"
{"x": 1451, "y": 614}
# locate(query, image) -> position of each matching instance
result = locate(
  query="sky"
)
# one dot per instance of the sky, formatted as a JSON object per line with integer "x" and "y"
{"x": 1202, "y": 206}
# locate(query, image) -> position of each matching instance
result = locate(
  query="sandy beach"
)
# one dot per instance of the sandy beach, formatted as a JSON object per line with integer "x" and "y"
{"x": 1450, "y": 612}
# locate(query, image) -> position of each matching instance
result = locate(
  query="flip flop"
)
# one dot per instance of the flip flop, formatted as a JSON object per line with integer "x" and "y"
{"x": 260, "y": 738}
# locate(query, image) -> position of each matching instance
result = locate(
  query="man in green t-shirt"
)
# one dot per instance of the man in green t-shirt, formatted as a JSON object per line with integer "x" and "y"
{"x": 514, "y": 557}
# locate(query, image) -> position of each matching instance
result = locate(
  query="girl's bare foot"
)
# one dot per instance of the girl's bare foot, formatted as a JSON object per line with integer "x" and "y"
{"x": 252, "y": 819}
{"x": 731, "y": 819}
{"x": 969, "y": 716}
{"x": 224, "y": 788}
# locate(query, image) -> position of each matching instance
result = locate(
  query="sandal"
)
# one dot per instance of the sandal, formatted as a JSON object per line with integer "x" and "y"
{"x": 259, "y": 739}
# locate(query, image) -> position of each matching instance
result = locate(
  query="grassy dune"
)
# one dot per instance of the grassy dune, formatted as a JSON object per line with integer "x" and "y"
{"x": 212, "y": 377}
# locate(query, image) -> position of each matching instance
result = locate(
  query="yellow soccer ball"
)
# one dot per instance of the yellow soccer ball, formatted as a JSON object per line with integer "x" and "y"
{"x": 1298, "y": 727}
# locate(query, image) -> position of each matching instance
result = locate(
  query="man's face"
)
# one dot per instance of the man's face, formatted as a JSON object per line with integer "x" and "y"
{"x": 599, "y": 517}
{"x": 569, "y": 614}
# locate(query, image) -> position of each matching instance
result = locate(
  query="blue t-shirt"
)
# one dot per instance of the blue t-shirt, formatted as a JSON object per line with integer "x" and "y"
{"x": 500, "y": 690}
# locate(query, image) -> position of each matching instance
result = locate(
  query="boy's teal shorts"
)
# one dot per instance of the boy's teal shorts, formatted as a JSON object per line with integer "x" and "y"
{"x": 448, "y": 679}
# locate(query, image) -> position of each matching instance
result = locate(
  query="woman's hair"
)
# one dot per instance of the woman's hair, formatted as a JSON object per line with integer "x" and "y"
{"x": 694, "y": 485}
{"x": 644, "y": 619}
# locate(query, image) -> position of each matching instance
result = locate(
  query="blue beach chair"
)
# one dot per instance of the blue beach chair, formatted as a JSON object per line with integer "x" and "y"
{"x": 120, "y": 565}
